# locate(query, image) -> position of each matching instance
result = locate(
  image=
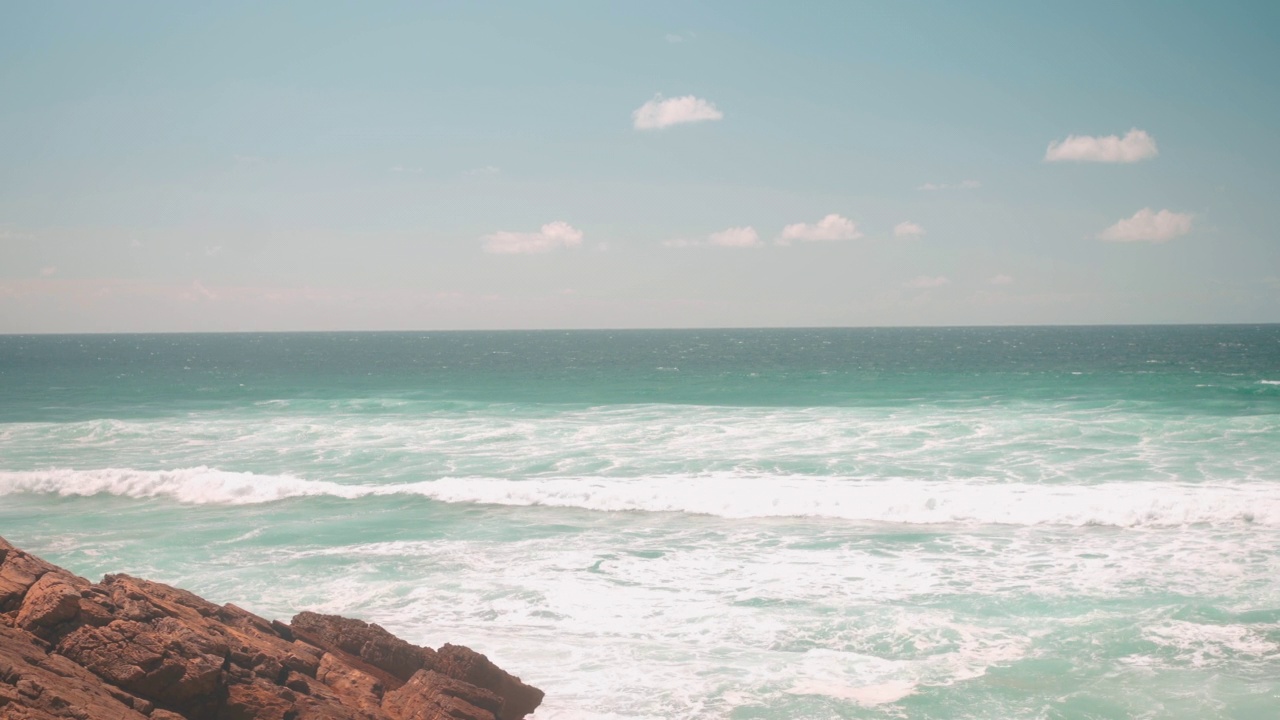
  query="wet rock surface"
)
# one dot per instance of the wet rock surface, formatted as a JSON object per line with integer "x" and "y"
{"x": 130, "y": 648}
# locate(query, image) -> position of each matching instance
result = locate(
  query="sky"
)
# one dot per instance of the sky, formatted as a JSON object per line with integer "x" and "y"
{"x": 245, "y": 166}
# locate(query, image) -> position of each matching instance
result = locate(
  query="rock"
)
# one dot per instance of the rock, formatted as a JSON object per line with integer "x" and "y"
{"x": 167, "y": 662}
{"x": 130, "y": 648}
{"x": 35, "y": 683}
{"x": 430, "y": 695}
{"x": 18, "y": 572}
{"x": 368, "y": 642}
{"x": 346, "y": 680}
{"x": 48, "y": 602}
{"x": 469, "y": 666}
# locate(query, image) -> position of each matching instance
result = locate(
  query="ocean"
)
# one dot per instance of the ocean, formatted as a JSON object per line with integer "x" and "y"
{"x": 1071, "y": 522}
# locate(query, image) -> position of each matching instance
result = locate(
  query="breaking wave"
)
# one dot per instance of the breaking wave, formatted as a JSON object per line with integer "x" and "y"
{"x": 1128, "y": 504}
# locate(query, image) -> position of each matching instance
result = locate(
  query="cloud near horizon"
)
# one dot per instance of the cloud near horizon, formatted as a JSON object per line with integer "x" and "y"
{"x": 1148, "y": 226}
{"x": 552, "y": 236}
{"x": 962, "y": 185}
{"x": 831, "y": 227}
{"x": 907, "y": 229}
{"x": 925, "y": 282}
{"x": 659, "y": 113}
{"x": 1135, "y": 146}
{"x": 735, "y": 237}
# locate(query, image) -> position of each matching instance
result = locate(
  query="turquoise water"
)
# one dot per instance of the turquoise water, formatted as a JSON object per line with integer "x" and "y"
{"x": 892, "y": 523}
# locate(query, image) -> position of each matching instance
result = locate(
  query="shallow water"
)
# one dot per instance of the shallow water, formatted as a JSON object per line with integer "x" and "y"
{"x": 932, "y": 523}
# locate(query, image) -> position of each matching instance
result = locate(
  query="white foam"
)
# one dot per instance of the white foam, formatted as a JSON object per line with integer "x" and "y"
{"x": 1201, "y": 645}
{"x": 1031, "y": 443}
{"x": 198, "y": 485}
{"x": 1122, "y": 504}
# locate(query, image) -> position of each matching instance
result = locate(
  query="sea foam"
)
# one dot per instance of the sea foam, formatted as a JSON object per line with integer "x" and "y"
{"x": 912, "y": 501}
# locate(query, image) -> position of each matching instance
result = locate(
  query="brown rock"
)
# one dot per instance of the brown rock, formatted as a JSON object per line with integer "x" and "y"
{"x": 430, "y": 695}
{"x": 37, "y": 684}
{"x": 256, "y": 701}
{"x": 469, "y": 666}
{"x": 368, "y": 642}
{"x": 365, "y": 689}
{"x": 48, "y": 602}
{"x": 130, "y": 648}
{"x": 168, "y": 663}
{"x": 18, "y": 572}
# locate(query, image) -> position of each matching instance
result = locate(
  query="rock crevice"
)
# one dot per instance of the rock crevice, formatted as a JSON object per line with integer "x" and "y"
{"x": 132, "y": 649}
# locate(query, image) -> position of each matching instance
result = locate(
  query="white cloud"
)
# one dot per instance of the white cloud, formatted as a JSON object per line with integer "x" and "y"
{"x": 962, "y": 185}
{"x": 48, "y": 271}
{"x": 486, "y": 170}
{"x": 831, "y": 227}
{"x": 924, "y": 282}
{"x": 200, "y": 291}
{"x": 735, "y": 237}
{"x": 1148, "y": 226}
{"x": 907, "y": 229}
{"x": 659, "y": 113}
{"x": 552, "y": 236}
{"x": 679, "y": 243}
{"x": 1001, "y": 279}
{"x": 212, "y": 250}
{"x": 135, "y": 243}
{"x": 1134, "y": 146}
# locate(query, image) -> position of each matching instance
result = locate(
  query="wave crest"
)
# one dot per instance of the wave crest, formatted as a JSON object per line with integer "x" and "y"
{"x": 1132, "y": 504}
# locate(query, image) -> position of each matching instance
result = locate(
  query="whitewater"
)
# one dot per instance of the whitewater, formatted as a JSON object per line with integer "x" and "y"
{"x": 928, "y": 523}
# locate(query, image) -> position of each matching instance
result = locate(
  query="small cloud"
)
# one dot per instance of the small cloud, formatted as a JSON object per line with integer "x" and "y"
{"x": 552, "y": 236}
{"x": 1001, "y": 279}
{"x": 486, "y": 170}
{"x": 907, "y": 229}
{"x": 675, "y": 38}
{"x": 831, "y": 227}
{"x": 48, "y": 271}
{"x": 135, "y": 244}
{"x": 212, "y": 250}
{"x": 1148, "y": 226}
{"x": 658, "y": 113}
{"x": 737, "y": 237}
{"x": 200, "y": 291}
{"x": 962, "y": 185}
{"x": 925, "y": 282}
{"x": 1136, "y": 145}
{"x": 410, "y": 170}
{"x": 679, "y": 243}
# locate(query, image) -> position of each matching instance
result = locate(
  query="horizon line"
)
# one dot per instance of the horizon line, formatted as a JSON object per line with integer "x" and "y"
{"x": 725, "y": 328}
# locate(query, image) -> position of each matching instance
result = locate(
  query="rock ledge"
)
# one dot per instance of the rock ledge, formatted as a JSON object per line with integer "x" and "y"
{"x": 131, "y": 649}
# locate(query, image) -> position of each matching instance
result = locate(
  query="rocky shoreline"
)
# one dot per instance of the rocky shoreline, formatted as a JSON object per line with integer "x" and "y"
{"x": 131, "y": 649}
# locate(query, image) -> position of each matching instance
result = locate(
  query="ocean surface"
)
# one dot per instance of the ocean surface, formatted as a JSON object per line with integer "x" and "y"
{"x": 871, "y": 523}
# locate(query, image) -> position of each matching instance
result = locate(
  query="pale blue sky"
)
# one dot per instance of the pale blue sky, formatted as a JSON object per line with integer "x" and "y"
{"x": 314, "y": 166}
